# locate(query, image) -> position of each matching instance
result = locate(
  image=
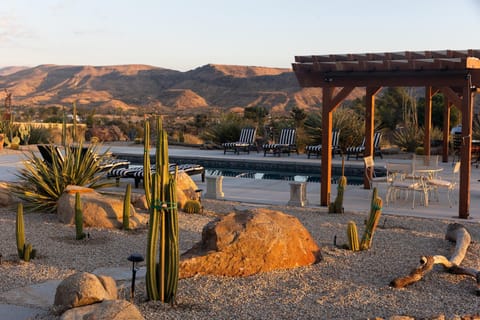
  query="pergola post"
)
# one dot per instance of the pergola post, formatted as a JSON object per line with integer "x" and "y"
{"x": 446, "y": 128}
{"x": 428, "y": 120}
{"x": 326, "y": 171}
{"x": 466, "y": 152}
{"x": 369, "y": 127}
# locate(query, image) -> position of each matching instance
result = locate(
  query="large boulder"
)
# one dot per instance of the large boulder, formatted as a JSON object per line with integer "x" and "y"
{"x": 98, "y": 210}
{"x": 6, "y": 197}
{"x": 106, "y": 310}
{"x": 247, "y": 242}
{"x": 82, "y": 289}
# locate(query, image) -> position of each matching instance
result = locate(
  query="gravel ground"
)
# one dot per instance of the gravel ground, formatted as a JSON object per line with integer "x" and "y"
{"x": 344, "y": 285}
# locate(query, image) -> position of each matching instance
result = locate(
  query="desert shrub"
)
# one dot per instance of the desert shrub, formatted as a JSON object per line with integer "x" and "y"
{"x": 42, "y": 184}
{"x": 408, "y": 138}
{"x": 227, "y": 129}
{"x": 39, "y": 136}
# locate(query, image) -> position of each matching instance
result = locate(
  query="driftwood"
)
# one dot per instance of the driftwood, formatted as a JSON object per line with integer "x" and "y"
{"x": 456, "y": 233}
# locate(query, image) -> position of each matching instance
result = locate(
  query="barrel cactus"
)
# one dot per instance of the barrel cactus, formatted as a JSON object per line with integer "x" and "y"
{"x": 192, "y": 206}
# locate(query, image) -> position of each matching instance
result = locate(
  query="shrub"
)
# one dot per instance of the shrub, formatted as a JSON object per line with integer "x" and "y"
{"x": 42, "y": 184}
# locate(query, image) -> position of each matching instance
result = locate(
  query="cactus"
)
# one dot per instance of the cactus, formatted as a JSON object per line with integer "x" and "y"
{"x": 162, "y": 276}
{"x": 147, "y": 174}
{"x": 74, "y": 127}
{"x": 79, "y": 218}
{"x": 25, "y": 250}
{"x": 24, "y": 131}
{"x": 192, "y": 206}
{"x": 352, "y": 235}
{"x": 64, "y": 128}
{"x": 337, "y": 205}
{"x": 371, "y": 223}
{"x": 126, "y": 207}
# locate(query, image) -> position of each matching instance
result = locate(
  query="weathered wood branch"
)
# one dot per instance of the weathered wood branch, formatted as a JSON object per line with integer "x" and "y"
{"x": 455, "y": 233}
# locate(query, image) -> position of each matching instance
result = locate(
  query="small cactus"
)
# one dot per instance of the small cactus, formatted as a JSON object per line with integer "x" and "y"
{"x": 371, "y": 224}
{"x": 192, "y": 206}
{"x": 126, "y": 207}
{"x": 337, "y": 205}
{"x": 352, "y": 235}
{"x": 79, "y": 218}
{"x": 25, "y": 250}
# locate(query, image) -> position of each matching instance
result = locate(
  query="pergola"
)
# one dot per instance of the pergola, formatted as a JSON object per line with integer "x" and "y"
{"x": 455, "y": 73}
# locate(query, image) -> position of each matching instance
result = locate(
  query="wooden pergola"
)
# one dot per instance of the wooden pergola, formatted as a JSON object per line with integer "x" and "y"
{"x": 455, "y": 73}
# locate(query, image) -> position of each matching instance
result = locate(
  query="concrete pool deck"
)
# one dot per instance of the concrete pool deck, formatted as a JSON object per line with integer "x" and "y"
{"x": 277, "y": 192}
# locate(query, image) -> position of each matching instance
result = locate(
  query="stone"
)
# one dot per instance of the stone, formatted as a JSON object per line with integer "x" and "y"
{"x": 250, "y": 241}
{"x": 98, "y": 210}
{"x": 82, "y": 289}
{"x": 106, "y": 310}
{"x": 6, "y": 197}
{"x": 186, "y": 188}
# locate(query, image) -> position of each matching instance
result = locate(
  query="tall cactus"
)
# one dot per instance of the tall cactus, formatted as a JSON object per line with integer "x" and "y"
{"x": 371, "y": 223}
{"x": 126, "y": 207}
{"x": 162, "y": 276}
{"x": 79, "y": 218}
{"x": 147, "y": 174}
{"x": 337, "y": 205}
{"x": 352, "y": 235}
{"x": 25, "y": 250}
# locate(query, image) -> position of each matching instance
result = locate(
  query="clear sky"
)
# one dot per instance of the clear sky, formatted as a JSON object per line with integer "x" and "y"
{"x": 186, "y": 34}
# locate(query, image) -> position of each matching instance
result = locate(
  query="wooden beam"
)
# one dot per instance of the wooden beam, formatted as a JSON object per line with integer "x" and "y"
{"x": 446, "y": 128}
{"x": 369, "y": 126}
{"x": 428, "y": 120}
{"x": 452, "y": 96}
{"x": 466, "y": 153}
{"x": 340, "y": 96}
{"x": 326, "y": 168}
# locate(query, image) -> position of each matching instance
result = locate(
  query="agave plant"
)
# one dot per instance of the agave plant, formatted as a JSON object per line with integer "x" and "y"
{"x": 42, "y": 183}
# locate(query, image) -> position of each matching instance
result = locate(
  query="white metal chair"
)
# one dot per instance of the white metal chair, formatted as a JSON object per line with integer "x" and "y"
{"x": 449, "y": 185}
{"x": 373, "y": 178}
{"x": 405, "y": 182}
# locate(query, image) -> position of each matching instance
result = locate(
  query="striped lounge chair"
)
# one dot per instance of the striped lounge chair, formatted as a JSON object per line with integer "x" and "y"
{"x": 286, "y": 143}
{"x": 360, "y": 150}
{"x": 244, "y": 143}
{"x": 136, "y": 172}
{"x": 317, "y": 149}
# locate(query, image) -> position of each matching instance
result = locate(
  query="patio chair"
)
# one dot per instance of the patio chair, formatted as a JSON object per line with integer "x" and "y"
{"x": 373, "y": 178}
{"x": 244, "y": 143}
{"x": 286, "y": 143}
{"x": 360, "y": 150}
{"x": 317, "y": 149}
{"x": 448, "y": 184}
{"x": 405, "y": 182}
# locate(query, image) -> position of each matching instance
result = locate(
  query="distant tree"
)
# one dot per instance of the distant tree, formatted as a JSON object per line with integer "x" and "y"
{"x": 437, "y": 112}
{"x": 396, "y": 106}
{"x": 298, "y": 115}
{"x": 256, "y": 113}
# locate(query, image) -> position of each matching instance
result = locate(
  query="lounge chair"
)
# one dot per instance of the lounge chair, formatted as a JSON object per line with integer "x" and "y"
{"x": 137, "y": 173}
{"x": 359, "y": 151}
{"x": 286, "y": 143}
{"x": 317, "y": 149}
{"x": 51, "y": 153}
{"x": 244, "y": 143}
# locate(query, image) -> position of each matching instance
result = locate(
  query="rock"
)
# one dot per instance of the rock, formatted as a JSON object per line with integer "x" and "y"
{"x": 185, "y": 189}
{"x": 82, "y": 289}
{"x": 106, "y": 310}
{"x": 98, "y": 210}
{"x": 6, "y": 196}
{"x": 247, "y": 242}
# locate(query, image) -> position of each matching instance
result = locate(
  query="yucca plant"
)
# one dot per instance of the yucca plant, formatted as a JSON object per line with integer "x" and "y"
{"x": 42, "y": 183}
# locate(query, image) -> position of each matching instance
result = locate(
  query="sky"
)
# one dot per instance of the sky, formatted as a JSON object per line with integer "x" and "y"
{"x": 185, "y": 34}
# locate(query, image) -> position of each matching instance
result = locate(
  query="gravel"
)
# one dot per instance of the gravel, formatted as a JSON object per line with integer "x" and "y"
{"x": 344, "y": 285}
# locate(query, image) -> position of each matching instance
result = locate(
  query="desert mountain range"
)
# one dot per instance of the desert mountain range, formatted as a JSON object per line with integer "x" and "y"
{"x": 164, "y": 90}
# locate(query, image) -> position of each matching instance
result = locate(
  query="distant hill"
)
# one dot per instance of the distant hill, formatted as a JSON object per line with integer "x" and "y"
{"x": 142, "y": 86}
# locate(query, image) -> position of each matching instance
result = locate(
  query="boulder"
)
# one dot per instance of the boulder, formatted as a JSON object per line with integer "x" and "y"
{"x": 247, "y": 242}
{"x": 98, "y": 210}
{"x": 6, "y": 196}
{"x": 106, "y": 310}
{"x": 82, "y": 289}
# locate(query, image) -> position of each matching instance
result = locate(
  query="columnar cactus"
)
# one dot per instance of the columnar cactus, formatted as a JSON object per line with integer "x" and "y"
{"x": 79, "y": 218}
{"x": 352, "y": 235}
{"x": 162, "y": 276}
{"x": 25, "y": 250}
{"x": 337, "y": 205}
{"x": 371, "y": 223}
{"x": 126, "y": 207}
{"x": 147, "y": 174}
